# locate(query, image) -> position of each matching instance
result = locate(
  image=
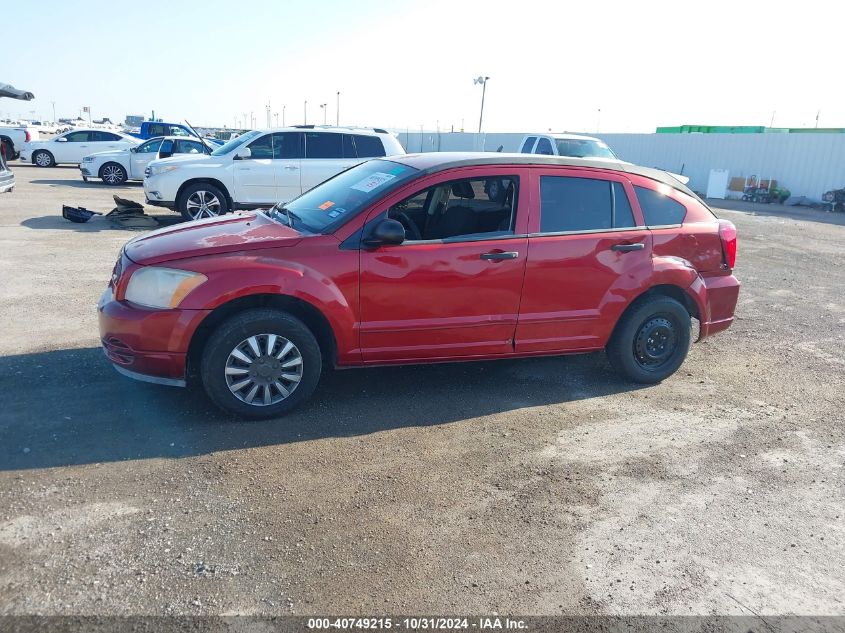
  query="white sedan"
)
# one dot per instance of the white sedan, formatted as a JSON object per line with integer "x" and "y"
{"x": 72, "y": 146}
{"x": 117, "y": 166}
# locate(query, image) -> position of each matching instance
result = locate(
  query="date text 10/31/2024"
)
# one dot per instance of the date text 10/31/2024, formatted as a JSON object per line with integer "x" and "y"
{"x": 418, "y": 623}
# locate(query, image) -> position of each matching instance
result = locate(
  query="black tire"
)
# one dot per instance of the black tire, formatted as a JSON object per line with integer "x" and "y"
{"x": 217, "y": 202}
{"x": 651, "y": 340}
{"x": 233, "y": 335}
{"x": 43, "y": 158}
{"x": 113, "y": 174}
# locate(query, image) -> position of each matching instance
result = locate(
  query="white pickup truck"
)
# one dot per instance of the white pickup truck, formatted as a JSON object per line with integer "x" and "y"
{"x": 14, "y": 138}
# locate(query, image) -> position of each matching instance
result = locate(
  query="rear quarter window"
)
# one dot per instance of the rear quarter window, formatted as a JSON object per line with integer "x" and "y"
{"x": 369, "y": 146}
{"x": 659, "y": 209}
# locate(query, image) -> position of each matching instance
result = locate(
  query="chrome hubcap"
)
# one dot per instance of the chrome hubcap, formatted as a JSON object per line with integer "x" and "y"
{"x": 263, "y": 369}
{"x": 43, "y": 160}
{"x": 113, "y": 174}
{"x": 203, "y": 204}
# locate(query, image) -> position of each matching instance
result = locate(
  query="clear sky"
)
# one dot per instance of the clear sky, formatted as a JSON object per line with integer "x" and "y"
{"x": 403, "y": 64}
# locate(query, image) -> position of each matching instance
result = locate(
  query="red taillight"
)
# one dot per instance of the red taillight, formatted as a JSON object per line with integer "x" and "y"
{"x": 27, "y": 136}
{"x": 727, "y": 232}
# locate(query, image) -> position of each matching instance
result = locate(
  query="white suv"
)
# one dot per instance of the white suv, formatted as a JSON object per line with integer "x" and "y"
{"x": 261, "y": 168}
{"x": 573, "y": 145}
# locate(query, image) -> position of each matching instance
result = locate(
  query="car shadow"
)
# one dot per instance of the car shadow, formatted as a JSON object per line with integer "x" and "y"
{"x": 70, "y": 407}
{"x": 94, "y": 225}
{"x": 91, "y": 184}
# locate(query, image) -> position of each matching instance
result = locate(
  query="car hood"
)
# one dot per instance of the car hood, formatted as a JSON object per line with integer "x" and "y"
{"x": 239, "y": 232}
{"x": 183, "y": 158}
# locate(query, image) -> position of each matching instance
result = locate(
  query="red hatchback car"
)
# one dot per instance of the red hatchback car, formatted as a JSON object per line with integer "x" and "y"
{"x": 424, "y": 258}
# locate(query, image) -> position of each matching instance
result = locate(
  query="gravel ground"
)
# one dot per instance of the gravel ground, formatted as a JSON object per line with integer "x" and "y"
{"x": 538, "y": 486}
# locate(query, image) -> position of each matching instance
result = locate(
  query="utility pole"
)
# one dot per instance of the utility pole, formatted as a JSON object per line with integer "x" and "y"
{"x": 305, "y": 111}
{"x": 337, "y": 122}
{"x": 54, "y": 114}
{"x": 277, "y": 118}
{"x": 245, "y": 119}
{"x": 483, "y": 81}
{"x": 269, "y": 116}
{"x": 325, "y": 110}
{"x": 283, "y": 115}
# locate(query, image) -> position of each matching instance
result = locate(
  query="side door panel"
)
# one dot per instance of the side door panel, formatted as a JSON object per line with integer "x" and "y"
{"x": 577, "y": 283}
{"x": 287, "y": 165}
{"x": 442, "y": 299}
{"x": 255, "y": 177}
{"x": 138, "y": 161}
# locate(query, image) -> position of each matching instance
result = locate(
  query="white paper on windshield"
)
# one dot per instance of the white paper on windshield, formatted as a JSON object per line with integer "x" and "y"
{"x": 373, "y": 181}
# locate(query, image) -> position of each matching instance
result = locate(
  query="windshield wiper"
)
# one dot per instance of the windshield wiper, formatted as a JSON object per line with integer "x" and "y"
{"x": 290, "y": 215}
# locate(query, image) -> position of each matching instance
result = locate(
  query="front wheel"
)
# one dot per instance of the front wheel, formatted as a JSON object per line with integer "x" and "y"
{"x": 43, "y": 158}
{"x": 113, "y": 174}
{"x": 651, "y": 340}
{"x": 261, "y": 363}
{"x": 202, "y": 200}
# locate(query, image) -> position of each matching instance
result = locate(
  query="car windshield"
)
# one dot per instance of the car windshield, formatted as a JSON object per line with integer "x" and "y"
{"x": 343, "y": 196}
{"x": 235, "y": 142}
{"x": 583, "y": 148}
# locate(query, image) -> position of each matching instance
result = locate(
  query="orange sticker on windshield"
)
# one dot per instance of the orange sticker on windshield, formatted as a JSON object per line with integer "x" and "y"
{"x": 326, "y": 205}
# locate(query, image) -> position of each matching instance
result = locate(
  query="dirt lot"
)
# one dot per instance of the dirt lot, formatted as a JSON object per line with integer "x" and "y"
{"x": 535, "y": 487}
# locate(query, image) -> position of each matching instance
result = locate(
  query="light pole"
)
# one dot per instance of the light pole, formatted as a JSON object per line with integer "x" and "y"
{"x": 305, "y": 110}
{"x": 276, "y": 114}
{"x": 283, "y": 115}
{"x": 337, "y": 122}
{"x": 483, "y": 81}
{"x": 54, "y": 114}
{"x": 323, "y": 108}
{"x": 269, "y": 119}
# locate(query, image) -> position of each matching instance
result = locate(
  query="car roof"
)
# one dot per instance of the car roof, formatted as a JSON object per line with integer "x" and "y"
{"x": 432, "y": 162}
{"x": 369, "y": 131}
{"x": 565, "y": 136}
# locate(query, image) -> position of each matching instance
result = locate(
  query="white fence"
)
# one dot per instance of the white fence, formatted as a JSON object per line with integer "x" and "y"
{"x": 806, "y": 164}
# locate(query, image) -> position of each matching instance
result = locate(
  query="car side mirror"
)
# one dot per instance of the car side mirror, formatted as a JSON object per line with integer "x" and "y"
{"x": 243, "y": 153}
{"x": 388, "y": 232}
{"x": 61, "y": 139}
{"x": 133, "y": 149}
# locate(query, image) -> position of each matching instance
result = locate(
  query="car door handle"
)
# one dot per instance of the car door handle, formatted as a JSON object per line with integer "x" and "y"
{"x": 624, "y": 248}
{"x": 499, "y": 256}
{"x": 291, "y": 167}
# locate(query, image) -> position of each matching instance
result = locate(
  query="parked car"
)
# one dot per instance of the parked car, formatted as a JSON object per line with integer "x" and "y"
{"x": 406, "y": 260}
{"x": 150, "y": 129}
{"x": 7, "y": 178}
{"x": 73, "y": 146}
{"x": 261, "y": 167}
{"x": 117, "y": 166}
{"x": 14, "y": 137}
{"x": 573, "y": 145}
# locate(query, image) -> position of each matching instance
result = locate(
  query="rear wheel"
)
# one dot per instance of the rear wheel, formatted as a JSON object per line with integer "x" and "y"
{"x": 43, "y": 158}
{"x": 113, "y": 174}
{"x": 651, "y": 340}
{"x": 261, "y": 363}
{"x": 202, "y": 200}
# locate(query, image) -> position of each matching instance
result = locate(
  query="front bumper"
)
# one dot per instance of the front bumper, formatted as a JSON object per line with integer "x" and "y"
{"x": 25, "y": 157}
{"x": 149, "y": 345}
{"x": 86, "y": 170}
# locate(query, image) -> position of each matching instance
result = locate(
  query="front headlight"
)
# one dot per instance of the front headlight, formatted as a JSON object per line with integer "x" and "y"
{"x": 156, "y": 287}
{"x": 155, "y": 170}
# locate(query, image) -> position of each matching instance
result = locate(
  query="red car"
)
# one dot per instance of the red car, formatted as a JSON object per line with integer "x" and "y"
{"x": 424, "y": 258}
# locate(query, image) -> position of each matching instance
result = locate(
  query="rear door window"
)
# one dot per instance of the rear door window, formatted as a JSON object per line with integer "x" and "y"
{"x": 105, "y": 136}
{"x": 323, "y": 145}
{"x": 659, "y": 209}
{"x": 369, "y": 146}
{"x": 570, "y": 204}
{"x": 544, "y": 146}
